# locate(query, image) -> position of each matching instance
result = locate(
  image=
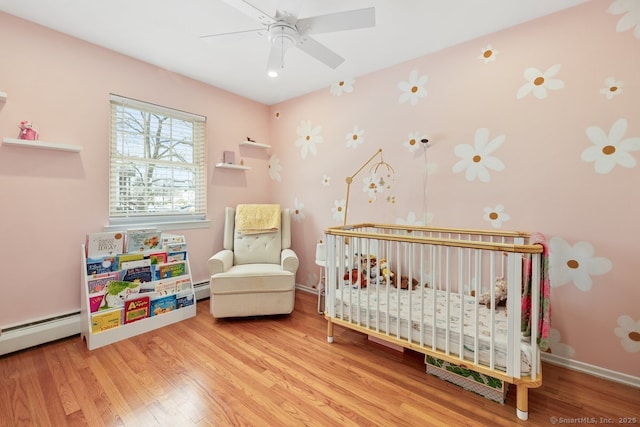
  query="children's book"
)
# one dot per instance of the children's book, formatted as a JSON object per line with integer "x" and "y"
{"x": 183, "y": 284}
{"x": 104, "y": 320}
{"x": 184, "y": 300}
{"x": 176, "y": 256}
{"x": 128, "y": 257}
{"x": 144, "y": 240}
{"x": 98, "y": 282}
{"x": 172, "y": 269}
{"x": 158, "y": 258}
{"x": 95, "y": 301}
{"x": 101, "y": 265}
{"x": 136, "y": 309}
{"x": 163, "y": 305}
{"x": 175, "y": 247}
{"x": 118, "y": 291}
{"x": 166, "y": 287}
{"x": 103, "y": 244}
{"x": 140, "y": 274}
{"x": 171, "y": 238}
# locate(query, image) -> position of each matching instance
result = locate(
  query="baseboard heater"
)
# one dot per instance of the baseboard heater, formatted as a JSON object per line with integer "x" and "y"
{"x": 18, "y": 337}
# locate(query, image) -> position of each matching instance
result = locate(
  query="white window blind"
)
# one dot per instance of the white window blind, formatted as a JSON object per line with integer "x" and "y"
{"x": 157, "y": 163}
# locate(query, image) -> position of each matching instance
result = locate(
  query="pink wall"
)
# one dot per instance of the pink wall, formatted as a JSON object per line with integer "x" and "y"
{"x": 50, "y": 199}
{"x": 544, "y": 184}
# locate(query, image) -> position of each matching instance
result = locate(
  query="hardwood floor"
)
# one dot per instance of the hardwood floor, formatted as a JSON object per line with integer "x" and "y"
{"x": 277, "y": 371}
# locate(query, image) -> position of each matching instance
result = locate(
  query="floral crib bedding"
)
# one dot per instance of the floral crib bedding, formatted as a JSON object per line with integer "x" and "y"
{"x": 376, "y": 308}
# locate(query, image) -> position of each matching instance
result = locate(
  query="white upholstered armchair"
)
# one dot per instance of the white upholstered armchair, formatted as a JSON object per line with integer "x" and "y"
{"x": 254, "y": 274}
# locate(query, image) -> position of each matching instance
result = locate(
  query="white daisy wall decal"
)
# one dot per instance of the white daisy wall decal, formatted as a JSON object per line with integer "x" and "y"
{"x": 298, "y": 210}
{"x": 496, "y": 216}
{"x": 630, "y": 9}
{"x": 413, "y": 141}
{"x": 628, "y": 331}
{"x": 326, "y": 180}
{"x": 308, "y": 138}
{"x": 411, "y": 219}
{"x": 575, "y": 264}
{"x": 355, "y": 137}
{"x": 413, "y": 89}
{"x": 540, "y": 82}
{"x": 611, "y": 88}
{"x": 476, "y": 160}
{"x": 274, "y": 168}
{"x": 558, "y": 347}
{"x": 343, "y": 86}
{"x": 338, "y": 210}
{"x": 488, "y": 54}
{"x": 610, "y": 150}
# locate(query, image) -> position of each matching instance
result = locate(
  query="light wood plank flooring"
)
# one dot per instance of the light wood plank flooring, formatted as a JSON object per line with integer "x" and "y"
{"x": 275, "y": 371}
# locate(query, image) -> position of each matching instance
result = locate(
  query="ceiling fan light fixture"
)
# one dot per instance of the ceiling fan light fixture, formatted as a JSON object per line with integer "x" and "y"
{"x": 283, "y": 35}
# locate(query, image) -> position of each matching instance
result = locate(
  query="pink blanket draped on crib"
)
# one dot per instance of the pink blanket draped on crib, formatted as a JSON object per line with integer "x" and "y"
{"x": 545, "y": 293}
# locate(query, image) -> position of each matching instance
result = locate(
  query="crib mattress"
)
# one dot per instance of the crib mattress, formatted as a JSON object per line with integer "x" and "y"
{"x": 376, "y": 308}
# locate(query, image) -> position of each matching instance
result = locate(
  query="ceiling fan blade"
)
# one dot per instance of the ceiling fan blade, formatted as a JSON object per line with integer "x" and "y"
{"x": 251, "y": 11}
{"x": 236, "y": 35}
{"x": 339, "y": 21}
{"x": 319, "y": 51}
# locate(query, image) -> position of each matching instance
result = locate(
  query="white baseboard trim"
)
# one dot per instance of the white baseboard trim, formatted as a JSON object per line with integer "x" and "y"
{"x": 19, "y": 338}
{"x": 596, "y": 371}
{"x": 202, "y": 290}
{"x": 307, "y": 289}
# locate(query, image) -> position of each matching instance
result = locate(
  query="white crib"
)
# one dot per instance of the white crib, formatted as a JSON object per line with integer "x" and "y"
{"x": 441, "y": 317}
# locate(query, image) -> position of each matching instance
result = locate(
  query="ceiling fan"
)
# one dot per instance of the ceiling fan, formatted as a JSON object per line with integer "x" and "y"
{"x": 285, "y": 30}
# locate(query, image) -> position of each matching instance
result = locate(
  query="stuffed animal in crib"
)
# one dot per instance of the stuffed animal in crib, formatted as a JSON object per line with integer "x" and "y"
{"x": 500, "y": 294}
{"x": 386, "y": 273}
{"x": 355, "y": 278}
{"x": 404, "y": 283}
{"x": 371, "y": 269}
{"x": 27, "y": 131}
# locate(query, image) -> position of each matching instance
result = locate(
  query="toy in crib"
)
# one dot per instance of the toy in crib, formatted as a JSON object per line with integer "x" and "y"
{"x": 500, "y": 294}
{"x": 367, "y": 270}
{"x": 355, "y": 278}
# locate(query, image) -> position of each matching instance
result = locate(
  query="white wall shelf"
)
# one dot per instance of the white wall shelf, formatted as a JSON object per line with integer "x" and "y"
{"x": 232, "y": 166}
{"x": 255, "y": 144}
{"x": 41, "y": 144}
{"x": 3, "y": 96}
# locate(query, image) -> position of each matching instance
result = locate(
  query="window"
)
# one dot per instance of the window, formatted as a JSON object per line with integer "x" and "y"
{"x": 157, "y": 164}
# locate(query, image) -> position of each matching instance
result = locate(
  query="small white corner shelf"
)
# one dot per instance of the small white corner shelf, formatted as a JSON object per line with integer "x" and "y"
{"x": 41, "y": 144}
{"x": 3, "y": 96}
{"x": 255, "y": 144}
{"x": 232, "y": 166}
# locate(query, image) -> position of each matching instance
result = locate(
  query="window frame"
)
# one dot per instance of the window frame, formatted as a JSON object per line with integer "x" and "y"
{"x": 172, "y": 220}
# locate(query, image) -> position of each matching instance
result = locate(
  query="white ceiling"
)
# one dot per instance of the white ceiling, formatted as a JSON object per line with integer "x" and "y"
{"x": 167, "y": 33}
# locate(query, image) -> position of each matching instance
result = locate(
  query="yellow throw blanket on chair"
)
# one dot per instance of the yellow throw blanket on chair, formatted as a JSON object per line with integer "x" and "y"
{"x": 255, "y": 219}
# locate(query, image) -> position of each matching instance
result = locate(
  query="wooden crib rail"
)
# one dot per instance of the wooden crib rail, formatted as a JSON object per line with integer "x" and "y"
{"x": 356, "y": 231}
{"x": 442, "y": 230}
